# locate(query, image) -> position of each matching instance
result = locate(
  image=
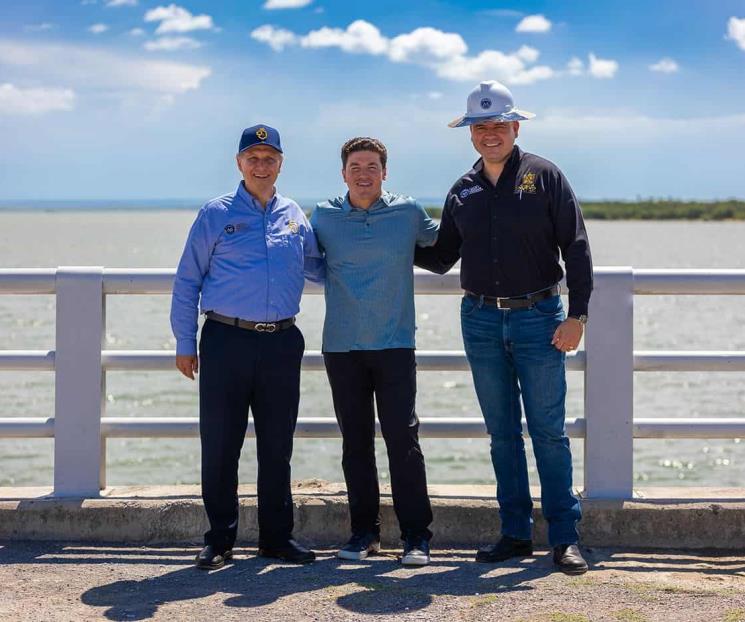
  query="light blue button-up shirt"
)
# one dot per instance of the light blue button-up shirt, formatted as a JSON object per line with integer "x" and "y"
{"x": 245, "y": 262}
{"x": 369, "y": 270}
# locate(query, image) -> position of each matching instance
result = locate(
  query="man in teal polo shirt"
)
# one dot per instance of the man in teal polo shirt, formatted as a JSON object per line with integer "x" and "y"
{"x": 368, "y": 238}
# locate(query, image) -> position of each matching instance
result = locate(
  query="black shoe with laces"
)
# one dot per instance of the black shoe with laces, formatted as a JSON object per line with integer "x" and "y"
{"x": 210, "y": 558}
{"x": 506, "y": 548}
{"x": 290, "y": 551}
{"x": 360, "y": 545}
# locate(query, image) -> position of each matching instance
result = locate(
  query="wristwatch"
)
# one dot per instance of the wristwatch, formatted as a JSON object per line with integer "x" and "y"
{"x": 582, "y": 319}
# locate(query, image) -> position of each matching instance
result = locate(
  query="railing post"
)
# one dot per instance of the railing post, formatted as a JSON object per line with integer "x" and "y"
{"x": 609, "y": 386}
{"x": 79, "y": 381}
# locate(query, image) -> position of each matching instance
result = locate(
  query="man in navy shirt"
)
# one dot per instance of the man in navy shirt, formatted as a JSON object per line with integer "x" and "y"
{"x": 368, "y": 237}
{"x": 244, "y": 264}
{"x": 509, "y": 219}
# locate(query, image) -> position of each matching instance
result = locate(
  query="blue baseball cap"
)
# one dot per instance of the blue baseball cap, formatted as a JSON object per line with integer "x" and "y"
{"x": 259, "y": 135}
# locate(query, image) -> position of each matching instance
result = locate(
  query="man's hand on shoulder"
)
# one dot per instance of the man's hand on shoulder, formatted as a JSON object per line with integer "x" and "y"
{"x": 187, "y": 364}
{"x": 568, "y": 335}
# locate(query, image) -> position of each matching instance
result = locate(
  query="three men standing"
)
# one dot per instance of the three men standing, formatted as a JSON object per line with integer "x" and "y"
{"x": 508, "y": 219}
{"x": 246, "y": 257}
{"x": 368, "y": 239}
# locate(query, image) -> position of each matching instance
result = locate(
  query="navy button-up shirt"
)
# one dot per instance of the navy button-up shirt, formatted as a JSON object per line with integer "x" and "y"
{"x": 245, "y": 262}
{"x": 509, "y": 236}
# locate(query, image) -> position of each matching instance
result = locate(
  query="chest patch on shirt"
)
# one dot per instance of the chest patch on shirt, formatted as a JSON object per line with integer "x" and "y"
{"x": 293, "y": 226}
{"x": 527, "y": 185}
{"x": 467, "y": 192}
{"x": 233, "y": 228}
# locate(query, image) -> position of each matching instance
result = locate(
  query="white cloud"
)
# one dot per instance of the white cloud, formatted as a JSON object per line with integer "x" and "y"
{"x": 575, "y": 67}
{"x": 491, "y": 64}
{"x": 98, "y": 29}
{"x": 665, "y": 65}
{"x": 44, "y": 26}
{"x": 601, "y": 67}
{"x": 285, "y": 4}
{"x": 34, "y": 101}
{"x": 275, "y": 38}
{"x": 443, "y": 52}
{"x": 425, "y": 45}
{"x": 528, "y": 54}
{"x": 90, "y": 69}
{"x": 86, "y": 2}
{"x": 136, "y": 32}
{"x": 736, "y": 31}
{"x": 360, "y": 37}
{"x": 174, "y": 18}
{"x": 171, "y": 44}
{"x": 534, "y": 23}
{"x": 435, "y": 95}
{"x": 117, "y": 3}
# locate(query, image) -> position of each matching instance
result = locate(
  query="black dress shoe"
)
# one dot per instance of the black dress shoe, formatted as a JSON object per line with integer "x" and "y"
{"x": 505, "y": 549}
{"x": 209, "y": 558}
{"x": 569, "y": 560}
{"x": 290, "y": 551}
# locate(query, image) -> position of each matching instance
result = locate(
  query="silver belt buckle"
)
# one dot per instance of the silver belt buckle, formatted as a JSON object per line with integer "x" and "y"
{"x": 266, "y": 327}
{"x": 499, "y": 303}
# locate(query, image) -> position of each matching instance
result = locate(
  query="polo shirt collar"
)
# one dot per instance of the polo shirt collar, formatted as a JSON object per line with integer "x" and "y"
{"x": 384, "y": 201}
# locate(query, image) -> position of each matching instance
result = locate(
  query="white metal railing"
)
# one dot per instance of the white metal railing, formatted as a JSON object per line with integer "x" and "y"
{"x": 80, "y": 427}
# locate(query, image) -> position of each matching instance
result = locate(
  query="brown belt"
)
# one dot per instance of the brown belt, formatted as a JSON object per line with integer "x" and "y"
{"x": 516, "y": 302}
{"x": 259, "y": 327}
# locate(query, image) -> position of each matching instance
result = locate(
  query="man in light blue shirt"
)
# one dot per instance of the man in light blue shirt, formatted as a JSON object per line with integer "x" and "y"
{"x": 368, "y": 239}
{"x": 246, "y": 257}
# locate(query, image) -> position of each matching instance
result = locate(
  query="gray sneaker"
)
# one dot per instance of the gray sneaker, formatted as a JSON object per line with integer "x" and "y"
{"x": 360, "y": 545}
{"x": 416, "y": 551}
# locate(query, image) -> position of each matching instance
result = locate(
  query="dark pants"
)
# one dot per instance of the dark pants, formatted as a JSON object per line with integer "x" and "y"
{"x": 241, "y": 369}
{"x": 389, "y": 376}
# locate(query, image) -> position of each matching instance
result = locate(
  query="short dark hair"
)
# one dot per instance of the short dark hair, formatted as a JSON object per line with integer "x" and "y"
{"x": 363, "y": 143}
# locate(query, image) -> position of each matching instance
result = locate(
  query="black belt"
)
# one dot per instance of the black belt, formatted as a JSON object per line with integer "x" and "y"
{"x": 516, "y": 302}
{"x": 259, "y": 327}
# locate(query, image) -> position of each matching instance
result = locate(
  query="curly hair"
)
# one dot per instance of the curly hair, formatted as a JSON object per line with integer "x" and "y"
{"x": 363, "y": 143}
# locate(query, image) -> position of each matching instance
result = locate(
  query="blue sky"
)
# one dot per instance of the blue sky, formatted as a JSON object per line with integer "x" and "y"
{"x": 135, "y": 99}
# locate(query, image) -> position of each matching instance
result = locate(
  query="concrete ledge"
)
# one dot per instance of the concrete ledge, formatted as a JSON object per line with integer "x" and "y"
{"x": 464, "y": 515}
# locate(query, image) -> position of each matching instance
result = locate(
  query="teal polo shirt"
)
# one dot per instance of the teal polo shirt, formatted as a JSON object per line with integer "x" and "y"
{"x": 369, "y": 270}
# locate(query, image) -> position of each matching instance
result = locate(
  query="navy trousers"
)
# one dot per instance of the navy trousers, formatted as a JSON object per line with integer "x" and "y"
{"x": 241, "y": 369}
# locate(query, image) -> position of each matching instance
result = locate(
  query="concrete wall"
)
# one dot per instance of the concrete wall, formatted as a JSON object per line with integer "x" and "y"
{"x": 467, "y": 519}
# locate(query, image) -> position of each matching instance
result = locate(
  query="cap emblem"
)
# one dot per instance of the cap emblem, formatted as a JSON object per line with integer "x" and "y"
{"x": 229, "y": 229}
{"x": 486, "y": 103}
{"x": 261, "y": 133}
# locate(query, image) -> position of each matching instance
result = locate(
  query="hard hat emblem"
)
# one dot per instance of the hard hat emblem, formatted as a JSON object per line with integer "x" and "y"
{"x": 486, "y": 103}
{"x": 229, "y": 229}
{"x": 261, "y": 133}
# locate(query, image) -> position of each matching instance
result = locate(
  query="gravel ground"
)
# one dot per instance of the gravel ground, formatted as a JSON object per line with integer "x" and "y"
{"x": 62, "y": 581}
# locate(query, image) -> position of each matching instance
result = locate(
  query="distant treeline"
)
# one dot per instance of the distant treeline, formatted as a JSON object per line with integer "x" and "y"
{"x": 653, "y": 210}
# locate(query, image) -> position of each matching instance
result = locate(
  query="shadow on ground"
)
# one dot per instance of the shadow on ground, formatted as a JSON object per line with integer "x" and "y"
{"x": 375, "y": 586}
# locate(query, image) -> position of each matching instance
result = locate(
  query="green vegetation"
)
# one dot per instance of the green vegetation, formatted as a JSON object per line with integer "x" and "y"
{"x": 653, "y": 210}
{"x": 734, "y": 615}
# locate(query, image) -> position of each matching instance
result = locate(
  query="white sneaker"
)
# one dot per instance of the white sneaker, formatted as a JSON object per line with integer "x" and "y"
{"x": 360, "y": 546}
{"x": 416, "y": 552}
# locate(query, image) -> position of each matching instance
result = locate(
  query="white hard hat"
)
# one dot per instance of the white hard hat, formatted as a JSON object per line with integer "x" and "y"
{"x": 490, "y": 100}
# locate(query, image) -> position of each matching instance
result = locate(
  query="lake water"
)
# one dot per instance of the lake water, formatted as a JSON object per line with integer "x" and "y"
{"x": 138, "y": 239}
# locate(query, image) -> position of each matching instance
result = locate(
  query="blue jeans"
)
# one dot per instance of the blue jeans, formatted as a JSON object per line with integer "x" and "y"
{"x": 510, "y": 353}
